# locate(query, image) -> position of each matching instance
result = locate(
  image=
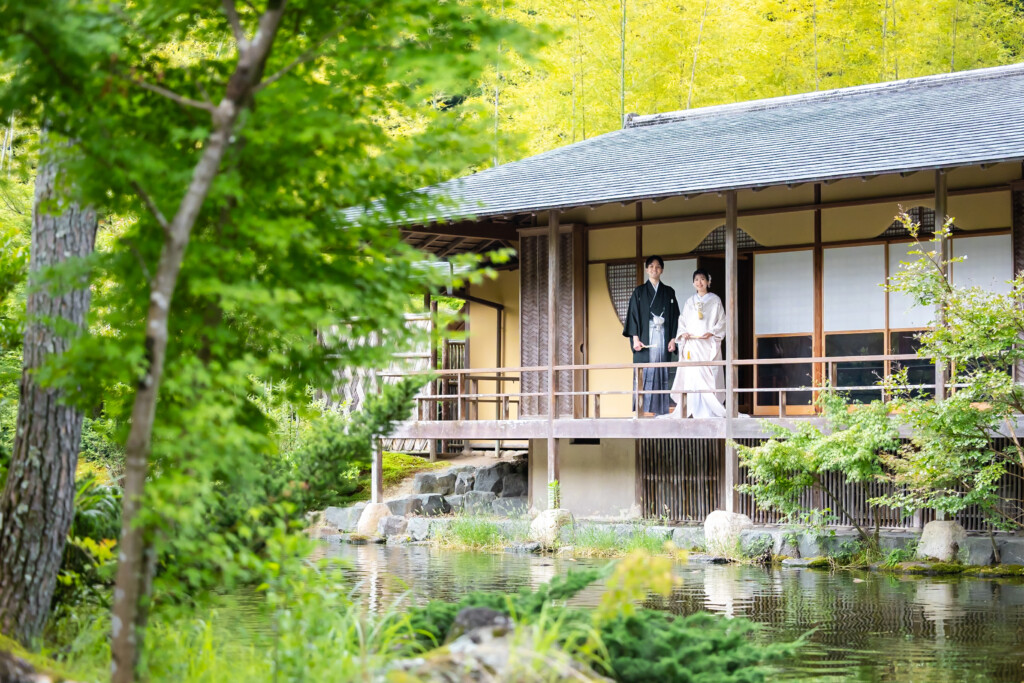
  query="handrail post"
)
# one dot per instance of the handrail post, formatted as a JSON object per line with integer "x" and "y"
{"x": 637, "y": 378}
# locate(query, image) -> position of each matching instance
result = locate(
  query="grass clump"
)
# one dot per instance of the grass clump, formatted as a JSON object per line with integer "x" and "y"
{"x": 476, "y": 532}
{"x": 600, "y": 540}
{"x": 473, "y": 532}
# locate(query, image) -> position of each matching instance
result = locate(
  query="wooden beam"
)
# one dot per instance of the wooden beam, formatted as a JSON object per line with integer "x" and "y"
{"x": 731, "y": 478}
{"x": 481, "y": 230}
{"x": 796, "y": 208}
{"x": 617, "y": 428}
{"x": 553, "y": 240}
{"x": 450, "y": 247}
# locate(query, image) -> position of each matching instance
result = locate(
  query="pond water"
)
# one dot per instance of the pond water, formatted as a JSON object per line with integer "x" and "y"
{"x": 865, "y": 626}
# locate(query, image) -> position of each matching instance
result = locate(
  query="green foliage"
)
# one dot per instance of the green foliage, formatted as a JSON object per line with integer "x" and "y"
{"x": 954, "y": 458}
{"x": 473, "y": 532}
{"x": 652, "y": 646}
{"x": 784, "y": 468}
{"x": 897, "y": 555}
{"x": 635, "y": 644}
{"x": 281, "y": 286}
{"x": 15, "y": 226}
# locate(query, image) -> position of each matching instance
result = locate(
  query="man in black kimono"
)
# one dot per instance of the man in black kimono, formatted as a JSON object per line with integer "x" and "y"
{"x": 651, "y": 322}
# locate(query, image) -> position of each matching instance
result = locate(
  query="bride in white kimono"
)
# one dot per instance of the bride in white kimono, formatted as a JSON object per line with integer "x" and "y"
{"x": 700, "y": 333}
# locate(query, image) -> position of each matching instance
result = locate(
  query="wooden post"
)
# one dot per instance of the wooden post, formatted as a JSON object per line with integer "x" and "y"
{"x": 732, "y": 468}
{"x": 818, "y": 341}
{"x": 941, "y": 369}
{"x": 1017, "y": 237}
{"x": 377, "y": 472}
{"x": 553, "y": 239}
{"x": 432, "y": 391}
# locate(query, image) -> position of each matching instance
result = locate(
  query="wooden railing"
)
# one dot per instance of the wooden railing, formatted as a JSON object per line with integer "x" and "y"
{"x": 459, "y": 390}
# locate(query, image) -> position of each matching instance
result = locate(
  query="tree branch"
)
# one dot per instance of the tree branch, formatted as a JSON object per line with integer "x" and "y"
{"x": 236, "y": 26}
{"x": 306, "y": 56}
{"x": 151, "y": 205}
{"x": 208, "y": 107}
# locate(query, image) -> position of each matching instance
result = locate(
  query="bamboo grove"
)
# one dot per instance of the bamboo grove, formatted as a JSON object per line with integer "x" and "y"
{"x": 612, "y": 57}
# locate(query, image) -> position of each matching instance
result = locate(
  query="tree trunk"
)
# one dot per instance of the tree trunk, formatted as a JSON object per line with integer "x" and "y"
{"x": 131, "y": 588}
{"x": 37, "y": 504}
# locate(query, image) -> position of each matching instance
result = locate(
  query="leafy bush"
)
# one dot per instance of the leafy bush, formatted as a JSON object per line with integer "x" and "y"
{"x": 87, "y": 566}
{"x": 637, "y": 644}
{"x": 794, "y": 461}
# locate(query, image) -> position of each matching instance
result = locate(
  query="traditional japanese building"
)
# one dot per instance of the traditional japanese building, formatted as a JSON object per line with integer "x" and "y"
{"x": 789, "y": 203}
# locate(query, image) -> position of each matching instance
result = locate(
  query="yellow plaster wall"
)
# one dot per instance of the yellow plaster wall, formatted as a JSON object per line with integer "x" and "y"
{"x": 483, "y": 333}
{"x": 982, "y": 211}
{"x": 595, "y": 481}
{"x": 676, "y": 238}
{"x": 780, "y": 229}
{"x": 607, "y": 345}
{"x": 680, "y": 206}
{"x": 612, "y": 243}
{"x": 976, "y": 176}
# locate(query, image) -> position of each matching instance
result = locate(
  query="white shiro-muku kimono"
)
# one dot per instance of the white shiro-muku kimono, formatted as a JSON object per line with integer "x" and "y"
{"x": 701, "y": 314}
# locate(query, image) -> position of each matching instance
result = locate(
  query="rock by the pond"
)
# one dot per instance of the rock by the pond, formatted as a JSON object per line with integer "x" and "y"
{"x": 479, "y": 648}
{"x": 1011, "y": 551}
{"x": 977, "y": 551}
{"x": 688, "y": 537}
{"x": 478, "y": 502}
{"x": 832, "y": 543}
{"x": 428, "y": 482}
{"x": 514, "y": 485}
{"x": 509, "y": 507}
{"x": 704, "y": 558}
{"x": 490, "y": 479}
{"x": 419, "y": 528}
{"x": 523, "y": 548}
{"x": 464, "y": 482}
{"x": 433, "y": 504}
{"x": 392, "y": 525}
{"x": 722, "y": 532}
{"x": 473, "y": 618}
{"x": 546, "y": 527}
{"x": 410, "y": 505}
{"x": 344, "y": 519}
{"x": 941, "y": 540}
{"x": 785, "y": 544}
{"x": 368, "y": 521}
{"x": 455, "y": 502}
{"x": 756, "y": 543}
{"x": 797, "y": 562}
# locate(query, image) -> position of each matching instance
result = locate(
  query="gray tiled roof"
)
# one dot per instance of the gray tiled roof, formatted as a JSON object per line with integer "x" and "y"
{"x": 957, "y": 119}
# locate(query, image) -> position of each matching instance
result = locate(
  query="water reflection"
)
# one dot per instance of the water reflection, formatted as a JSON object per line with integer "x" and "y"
{"x": 864, "y": 627}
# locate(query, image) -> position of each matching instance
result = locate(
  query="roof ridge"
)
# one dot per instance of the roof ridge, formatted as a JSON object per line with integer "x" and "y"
{"x": 636, "y": 121}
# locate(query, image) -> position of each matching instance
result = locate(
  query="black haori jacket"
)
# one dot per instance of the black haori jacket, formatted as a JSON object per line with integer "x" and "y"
{"x": 638, "y": 317}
